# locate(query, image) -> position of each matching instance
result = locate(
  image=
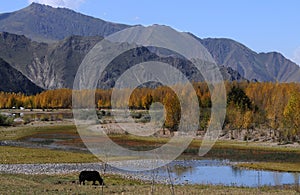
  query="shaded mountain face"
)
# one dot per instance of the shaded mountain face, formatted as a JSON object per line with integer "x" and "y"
{"x": 55, "y": 65}
{"x": 44, "y": 23}
{"x": 251, "y": 65}
{"x": 12, "y": 80}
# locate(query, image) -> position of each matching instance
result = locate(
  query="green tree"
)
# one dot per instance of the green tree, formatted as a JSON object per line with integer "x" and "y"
{"x": 239, "y": 111}
{"x": 238, "y": 97}
{"x": 6, "y": 120}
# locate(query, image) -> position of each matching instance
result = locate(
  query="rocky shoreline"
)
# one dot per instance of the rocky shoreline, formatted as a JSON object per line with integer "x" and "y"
{"x": 69, "y": 168}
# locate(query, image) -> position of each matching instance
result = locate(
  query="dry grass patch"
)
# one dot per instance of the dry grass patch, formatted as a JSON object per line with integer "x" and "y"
{"x": 68, "y": 184}
{"x": 272, "y": 166}
{"x": 18, "y": 155}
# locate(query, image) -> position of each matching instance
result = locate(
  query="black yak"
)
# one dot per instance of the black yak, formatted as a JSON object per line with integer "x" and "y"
{"x": 90, "y": 176}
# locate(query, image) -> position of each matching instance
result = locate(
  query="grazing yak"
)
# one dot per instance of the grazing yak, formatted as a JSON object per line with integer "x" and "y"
{"x": 90, "y": 176}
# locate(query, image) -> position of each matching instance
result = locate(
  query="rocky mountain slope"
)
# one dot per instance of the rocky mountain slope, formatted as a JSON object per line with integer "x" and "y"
{"x": 282, "y": 69}
{"x": 12, "y": 80}
{"x": 44, "y": 23}
{"x": 50, "y": 66}
{"x": 253, "y": 66}
{"x": 54, "y": 65}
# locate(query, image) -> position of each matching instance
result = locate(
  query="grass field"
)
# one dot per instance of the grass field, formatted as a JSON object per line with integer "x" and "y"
{"x": 272, "y": 166}
{"x": 68, "y": 184}
{"x": 256, "y": 156}
{"x": 18, "y": 155}
{"x": 268, "y": 155}
{"x": 15, "y": 133}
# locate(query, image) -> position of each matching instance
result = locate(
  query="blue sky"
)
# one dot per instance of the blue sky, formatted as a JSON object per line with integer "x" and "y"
{"x": 262, "y": 25}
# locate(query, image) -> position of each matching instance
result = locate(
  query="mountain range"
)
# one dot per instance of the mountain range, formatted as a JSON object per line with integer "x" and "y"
{"x": 54, "y": 65}
{"x": 46, "y": 46}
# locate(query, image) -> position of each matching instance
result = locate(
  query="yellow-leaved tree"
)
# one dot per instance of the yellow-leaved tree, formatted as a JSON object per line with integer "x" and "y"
{"x": 292, "y": 117}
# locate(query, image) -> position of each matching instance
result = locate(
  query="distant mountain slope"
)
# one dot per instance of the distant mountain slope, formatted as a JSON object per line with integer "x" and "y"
{"x": 12, "y": 80}
{"x": 251, "y": 65}
{"x": 54, "y": 65}
{"x": 282, "y": 69}
{"x": 44, "y": 23}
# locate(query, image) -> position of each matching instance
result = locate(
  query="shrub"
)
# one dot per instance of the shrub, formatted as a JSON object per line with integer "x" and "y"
{"x": 6, "y": 120}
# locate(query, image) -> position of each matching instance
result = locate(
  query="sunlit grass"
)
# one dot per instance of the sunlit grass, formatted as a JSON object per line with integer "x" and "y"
{"x": 272, "y": 166}
{"x": 232, "y": 150}
{"x": 68, "y": 184}
{"x": 15, "y": 133}
{"x": 18, "y": 155}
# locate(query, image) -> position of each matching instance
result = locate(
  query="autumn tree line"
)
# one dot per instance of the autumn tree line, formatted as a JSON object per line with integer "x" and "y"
{"x": 250, "y": 106}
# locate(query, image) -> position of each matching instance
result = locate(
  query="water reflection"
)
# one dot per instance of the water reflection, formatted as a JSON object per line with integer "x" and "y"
{"x": 218, "y": 172}
{"x": 296, "y": 181}
{"x": 237, "y": 172}
{"x": 47, "y": 116}
{"x": 277, "y": 178}
{"x": 180, "y": 170}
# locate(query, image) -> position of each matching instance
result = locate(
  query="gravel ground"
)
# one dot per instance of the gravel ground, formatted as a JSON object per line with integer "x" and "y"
{"x": 66, "y": 168}
{"x": 51, "y": 169}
